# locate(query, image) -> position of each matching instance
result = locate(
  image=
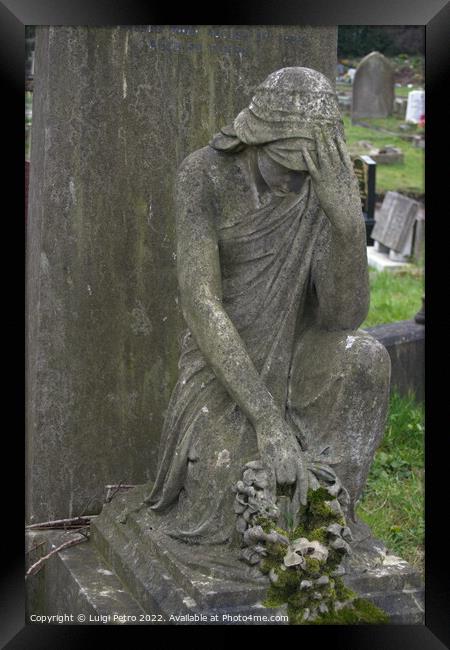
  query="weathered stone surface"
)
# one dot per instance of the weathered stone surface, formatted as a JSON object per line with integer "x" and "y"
{"x": 161, "y": 582}
{"x": 125, "y": 574}
{"x": 115, "y": 112}
{"x": 373, "y": 87}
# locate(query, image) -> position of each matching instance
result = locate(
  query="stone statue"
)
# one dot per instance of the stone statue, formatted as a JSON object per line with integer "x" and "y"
{"x": 274, "y": 373}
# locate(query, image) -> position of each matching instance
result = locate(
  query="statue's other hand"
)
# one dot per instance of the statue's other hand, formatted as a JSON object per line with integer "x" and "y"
{"x": 282, "y": 455}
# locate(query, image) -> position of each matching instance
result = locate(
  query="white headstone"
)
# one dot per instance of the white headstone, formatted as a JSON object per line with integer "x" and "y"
{"x": 416, "y": 106}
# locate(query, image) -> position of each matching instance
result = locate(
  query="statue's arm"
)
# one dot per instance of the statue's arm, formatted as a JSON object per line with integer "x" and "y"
{"x": 340, "y": 276}
{"x": 200, "y": 284}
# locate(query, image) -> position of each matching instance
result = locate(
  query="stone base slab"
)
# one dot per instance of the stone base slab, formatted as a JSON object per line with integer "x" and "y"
{"x": 131, "y": 573}
{"x": 382, "y": 262}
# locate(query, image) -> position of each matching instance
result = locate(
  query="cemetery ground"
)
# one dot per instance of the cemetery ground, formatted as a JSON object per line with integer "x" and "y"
{"x": 406, "y": 177}
{"x": 394, "y": 295}
{"x": 393, "y": 500}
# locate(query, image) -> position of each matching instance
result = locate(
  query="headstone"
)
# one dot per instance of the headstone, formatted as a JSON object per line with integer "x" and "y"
{"x": 416, "y": 106}
{"x": 394, "y": 227}
{"x": 115, "y": 111}
{"x": 400, "y": 104}
{"x": 373, "y": 87}
{"x": 387, "y": 155}
{"x": 365, "y": 170}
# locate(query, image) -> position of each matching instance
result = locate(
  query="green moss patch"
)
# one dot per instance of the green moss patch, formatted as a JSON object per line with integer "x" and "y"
{"x": 313, "y": 594}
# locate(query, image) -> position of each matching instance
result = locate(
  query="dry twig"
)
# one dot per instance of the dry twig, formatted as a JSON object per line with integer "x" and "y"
{"x": 34, "y": 568}
{"x": 72, "y": 522}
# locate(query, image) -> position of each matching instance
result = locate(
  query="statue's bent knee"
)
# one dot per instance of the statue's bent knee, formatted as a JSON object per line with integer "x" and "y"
{"x": 366, "y": 359}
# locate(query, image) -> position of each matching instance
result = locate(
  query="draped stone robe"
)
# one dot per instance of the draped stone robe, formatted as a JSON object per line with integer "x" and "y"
{"x": 267, "y": 257}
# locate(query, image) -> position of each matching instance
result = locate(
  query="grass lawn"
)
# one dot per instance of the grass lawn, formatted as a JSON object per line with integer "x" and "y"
{"x": 393, "y": 500}
{"x": 399, "y": 177}
{"x": 394, "y": 295}
{"x": 403, "y": 91}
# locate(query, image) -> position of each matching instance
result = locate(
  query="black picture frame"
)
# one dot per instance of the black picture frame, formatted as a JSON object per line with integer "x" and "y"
{"x": 435, "y": 16}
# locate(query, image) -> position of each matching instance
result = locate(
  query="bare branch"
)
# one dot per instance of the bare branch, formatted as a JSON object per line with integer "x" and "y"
{"x": 72, "y": 522}
{"x": 111, "y": 490}
{"x": 34, "y": 568}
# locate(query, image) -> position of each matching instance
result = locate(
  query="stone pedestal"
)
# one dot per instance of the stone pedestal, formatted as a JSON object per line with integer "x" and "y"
{"x": 130, "y": 569}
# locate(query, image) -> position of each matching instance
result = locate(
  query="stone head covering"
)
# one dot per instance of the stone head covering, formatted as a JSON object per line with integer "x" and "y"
{"x": 282, "y": 115}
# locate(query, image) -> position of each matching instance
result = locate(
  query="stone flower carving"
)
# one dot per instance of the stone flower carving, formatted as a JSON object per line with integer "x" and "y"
{"x": 301, "y": 548}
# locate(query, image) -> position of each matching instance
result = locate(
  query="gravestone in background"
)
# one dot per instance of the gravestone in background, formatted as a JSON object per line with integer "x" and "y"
{"x": 373, "y": 87}
{"x": 394, "y": 227}
{"x": 415, "y": 107}
{"x": 115, "y": 111}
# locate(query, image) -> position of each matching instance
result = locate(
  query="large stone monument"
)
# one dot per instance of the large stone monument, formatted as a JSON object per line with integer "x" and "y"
{"x": 115, "y": 112}
{"x": 373, "y": 87}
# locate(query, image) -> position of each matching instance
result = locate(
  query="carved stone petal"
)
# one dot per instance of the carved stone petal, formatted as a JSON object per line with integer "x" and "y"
{"x": 261, "y": 483}
{"x": 239, "y": 507}
{"x": 335, "y": 530}
{"x": 320, "y": 551}
{"x": 293, "y": 559}
{"x": 260, "y": 549}
{"x": 347, "y": 534}
{"x": 240, "y": 499}
{"x": 249, "y": 477}
{"x": 335, "y": 507}
{"x": 246, "y": 554}
{"x": 276, "y": 538}
{"x": 340, "y": 545}
{"x": 302, "y": 545}
{"x": 254, "y": 464}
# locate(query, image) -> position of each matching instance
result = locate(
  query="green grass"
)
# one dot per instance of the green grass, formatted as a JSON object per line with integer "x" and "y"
{"x": 393, "y": 500}
{"x": 403, "y": 177}
{"x": 403, "y": 91}
{"x": 394, "y": 295}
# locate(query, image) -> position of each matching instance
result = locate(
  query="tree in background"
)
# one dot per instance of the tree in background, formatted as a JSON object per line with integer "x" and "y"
{"x": 359, "y": 40}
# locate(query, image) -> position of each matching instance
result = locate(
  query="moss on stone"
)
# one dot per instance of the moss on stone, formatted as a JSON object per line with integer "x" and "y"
{"x": 315, "y": 518}
{"x": 360, "y": 611}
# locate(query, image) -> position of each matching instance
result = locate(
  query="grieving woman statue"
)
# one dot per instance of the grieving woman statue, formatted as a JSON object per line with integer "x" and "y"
{"x": 273, "y": 282}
